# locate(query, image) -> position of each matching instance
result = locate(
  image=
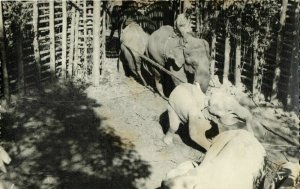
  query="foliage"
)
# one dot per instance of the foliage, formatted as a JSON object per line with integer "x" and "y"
{"x": 16, "y": 15}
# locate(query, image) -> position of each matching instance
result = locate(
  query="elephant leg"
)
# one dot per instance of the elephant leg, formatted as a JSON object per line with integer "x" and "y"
{"x": 138, "y": 65}
{"x": 197, "y": 129}
{"x": 174, "y": 125}
{"x": 158, "y": 83}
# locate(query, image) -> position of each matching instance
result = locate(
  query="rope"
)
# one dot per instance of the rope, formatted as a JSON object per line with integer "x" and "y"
{"x": 156, "y": 64}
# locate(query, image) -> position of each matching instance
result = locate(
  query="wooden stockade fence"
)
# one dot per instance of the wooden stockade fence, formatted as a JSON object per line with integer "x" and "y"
{"x": 256, "y": 44}
{"x": 55, "y": 41}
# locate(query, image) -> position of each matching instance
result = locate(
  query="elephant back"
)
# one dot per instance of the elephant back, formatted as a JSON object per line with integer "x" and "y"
{"x": 134, "y": 37}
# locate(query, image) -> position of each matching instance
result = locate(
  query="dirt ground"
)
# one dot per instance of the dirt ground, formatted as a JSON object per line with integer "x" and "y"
{"x": 79, "y": 136}
{"x": 138, "y": 115}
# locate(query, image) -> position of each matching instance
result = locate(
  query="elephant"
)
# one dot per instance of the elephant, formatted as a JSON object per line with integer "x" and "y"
{"x": 133, "y": 43}
{"x": 235, "y": 159}
{"x": 188, "y": 104}
{"x": 190, "y": 61}
{"x": 226, "y": 111}
{"x": 185, "y": 105}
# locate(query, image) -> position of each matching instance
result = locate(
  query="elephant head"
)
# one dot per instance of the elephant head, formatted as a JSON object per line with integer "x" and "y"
{"x": 193, "y": 57}
{"x": 197, "y": 61}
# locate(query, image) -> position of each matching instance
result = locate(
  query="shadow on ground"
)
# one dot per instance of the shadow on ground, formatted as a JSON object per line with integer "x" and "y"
{"x": 57, "y": 141}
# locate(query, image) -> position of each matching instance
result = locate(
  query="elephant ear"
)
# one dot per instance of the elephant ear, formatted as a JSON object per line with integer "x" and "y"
{"x": 190, "y": 61}
{"x": 176, "y": 54}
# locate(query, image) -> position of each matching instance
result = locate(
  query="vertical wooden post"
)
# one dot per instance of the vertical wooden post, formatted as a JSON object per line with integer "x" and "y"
{"x": 226, "y": 53}
{"x": 85, "y": 66}
{"x": 3, "y": 57}
{"x": 103, "y": 36}
{"x": 64, "y": 39}
{"x": 52, "y": 39}
{"x": 37, "y": 56}
{"x": 96, "y": 42}
{"x": 278, "y": 51}
{"x": 237, "y": 70}
{"x": 76, "y": 40}
{"x": 19, "y": 50}
{"x": 71, "y": 50}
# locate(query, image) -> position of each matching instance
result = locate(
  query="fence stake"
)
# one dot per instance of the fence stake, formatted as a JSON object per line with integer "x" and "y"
{"x": 237, "y": 74}
{"x": 278, "y": 51}
{"x": 37, "y": 56}
{"x": 213, "y": 44}
{"x": 19, "y": 50}
{"x": 76, "y": 36}
{"x": 227, "y": 54}
{"x": 52, "y": 39}
{"x": 293, "y": 95}
{"x": 71, "y": 49}
{"x": 3, "y": 58}
{"x": 103, "y": 37}
{"x": 255, "y": 66}
{"x": 85, "y": 66}
{"x": 96, "y": 42}
{"x": 64, "y": 39}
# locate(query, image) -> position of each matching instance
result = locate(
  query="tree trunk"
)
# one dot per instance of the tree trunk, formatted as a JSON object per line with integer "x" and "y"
{"x": 237, "y": 74}
{"x": 64, "y": 39}
{"x": 278, "y": 51}
{"x": 85, "y": 66}
{"x": 19, "y": 50}
{"x": 3, "y": 58}
{"x": 71, "y": 50}
{"x": 37, "y": 56}
{"x": 52, "y": 39}
{"x": 76, "y": 36}
{"x": 226, "y": 54}
{"x": 96, "y": 42}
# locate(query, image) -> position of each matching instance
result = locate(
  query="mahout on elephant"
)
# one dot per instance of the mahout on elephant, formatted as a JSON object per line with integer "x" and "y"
{"x": 189, "y": 61}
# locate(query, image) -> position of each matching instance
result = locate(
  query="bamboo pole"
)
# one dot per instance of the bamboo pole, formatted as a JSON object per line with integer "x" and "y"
{"x": 3, "y": 58}
{"x": 52, "y": 39}
{"x": 278, "y": 51}
{"x": 226, "y": 54}
{"x": 19, "y": 50}
{"x": 85, "y": 66}
{"x": 71, "y": 50}
{"x": 64, "y": 39}
{"x": 96, "y": 42}
{"x": 37, "y": 57}
{"x": 76, "y": 36}
{"x": 237, "y": 74}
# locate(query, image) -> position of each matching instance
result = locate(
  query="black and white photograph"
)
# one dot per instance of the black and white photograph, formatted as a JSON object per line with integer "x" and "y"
{"x": 149, "y": 94}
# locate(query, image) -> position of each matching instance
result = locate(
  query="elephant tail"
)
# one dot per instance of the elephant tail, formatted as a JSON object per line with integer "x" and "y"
{"x": 118, "y": 62}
